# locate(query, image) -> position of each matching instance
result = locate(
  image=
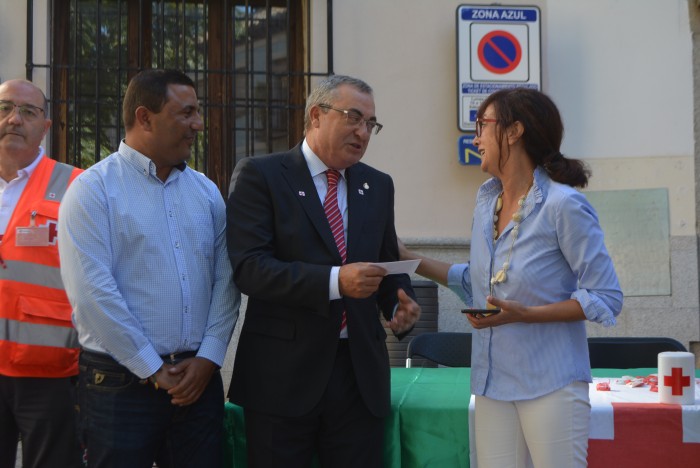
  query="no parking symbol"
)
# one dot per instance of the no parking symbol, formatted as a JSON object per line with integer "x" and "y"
{"x": 500, "y": 52}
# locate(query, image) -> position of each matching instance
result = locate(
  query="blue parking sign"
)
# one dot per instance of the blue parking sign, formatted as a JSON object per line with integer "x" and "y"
{"x": 468, "y": 153}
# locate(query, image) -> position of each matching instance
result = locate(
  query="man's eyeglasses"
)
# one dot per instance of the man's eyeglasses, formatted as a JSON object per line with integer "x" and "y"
{"x": 355, "y": 119}
{"x": 480, "y": 124}
{"x": 26, "y": 111}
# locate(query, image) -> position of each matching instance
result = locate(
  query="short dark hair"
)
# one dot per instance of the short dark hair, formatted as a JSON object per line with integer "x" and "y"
{"x": 543, "y": 131}
{"x": 149, "y": 88}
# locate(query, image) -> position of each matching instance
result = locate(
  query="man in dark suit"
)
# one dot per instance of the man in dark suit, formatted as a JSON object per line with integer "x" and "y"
{"x": 312, "y": 368}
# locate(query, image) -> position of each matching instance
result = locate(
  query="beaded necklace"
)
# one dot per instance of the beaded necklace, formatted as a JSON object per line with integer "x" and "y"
{"x": 501, "y": 275}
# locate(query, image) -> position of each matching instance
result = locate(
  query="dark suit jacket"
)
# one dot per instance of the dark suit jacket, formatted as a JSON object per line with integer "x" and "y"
{"x": 282, "y": 250}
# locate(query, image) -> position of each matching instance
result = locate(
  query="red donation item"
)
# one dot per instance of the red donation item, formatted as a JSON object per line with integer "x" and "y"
{"x": 603, "y": 386}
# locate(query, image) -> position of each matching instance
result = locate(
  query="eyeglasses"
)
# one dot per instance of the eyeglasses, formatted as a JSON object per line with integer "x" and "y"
{"x": 26, "y": 111}
{"x": 355, "y": 119}
{"x": 480, "y": 124}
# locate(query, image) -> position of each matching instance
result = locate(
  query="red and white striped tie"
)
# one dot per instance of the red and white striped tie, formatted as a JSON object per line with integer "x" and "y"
{"x": 335, "y": 219}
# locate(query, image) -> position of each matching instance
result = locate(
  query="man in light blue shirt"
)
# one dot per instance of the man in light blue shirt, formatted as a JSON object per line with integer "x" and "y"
{"x": 146, "y": 269}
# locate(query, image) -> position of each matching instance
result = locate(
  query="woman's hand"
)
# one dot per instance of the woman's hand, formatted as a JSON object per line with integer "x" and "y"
{"x": 511, "y": 312}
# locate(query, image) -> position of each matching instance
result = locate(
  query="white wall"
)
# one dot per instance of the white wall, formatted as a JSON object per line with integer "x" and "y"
{"x": 620, "y": 72}
{"x": 12, "y": 39}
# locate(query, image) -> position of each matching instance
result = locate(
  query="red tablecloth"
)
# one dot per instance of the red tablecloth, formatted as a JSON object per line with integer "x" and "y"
{"x": 629, "y": 424}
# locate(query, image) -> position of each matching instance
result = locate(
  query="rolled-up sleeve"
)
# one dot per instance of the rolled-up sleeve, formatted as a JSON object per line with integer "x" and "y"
{"x": 459, "y": 281}
{"x": 582, "y": 242}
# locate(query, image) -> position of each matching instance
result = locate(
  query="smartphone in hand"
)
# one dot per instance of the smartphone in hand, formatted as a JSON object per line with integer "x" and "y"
{"x": 484, "y": 312}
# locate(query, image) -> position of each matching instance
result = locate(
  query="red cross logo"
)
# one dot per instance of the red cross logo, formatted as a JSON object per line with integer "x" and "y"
{"x": 53, "y": 232}
{"x": 647, "y": 435}
{"x": 676, "y": 381}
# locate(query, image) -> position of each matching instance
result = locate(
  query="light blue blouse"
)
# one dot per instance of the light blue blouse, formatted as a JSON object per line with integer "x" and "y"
{"x": 559, "y": 254}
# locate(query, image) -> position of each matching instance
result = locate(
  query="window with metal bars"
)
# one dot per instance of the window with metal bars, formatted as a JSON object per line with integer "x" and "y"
{"x": 249, "y": 59}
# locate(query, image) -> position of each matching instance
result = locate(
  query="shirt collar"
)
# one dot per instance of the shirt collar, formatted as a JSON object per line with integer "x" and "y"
{"x": 316, "y": 166}
{"x": 540, "y": 181}
{"x": 145, "y": 165}
{"x": 29, "y": 170}
{"x": 493, "y": 186}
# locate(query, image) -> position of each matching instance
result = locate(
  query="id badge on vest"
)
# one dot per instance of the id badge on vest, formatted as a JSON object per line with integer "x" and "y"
{"x": 32, "y": 235}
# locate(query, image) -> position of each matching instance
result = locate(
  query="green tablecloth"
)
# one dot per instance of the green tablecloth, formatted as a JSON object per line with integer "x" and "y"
{"x": 429, "y": 422}
{"x": 234, "y": 437}
{"x": 428, "y": 426}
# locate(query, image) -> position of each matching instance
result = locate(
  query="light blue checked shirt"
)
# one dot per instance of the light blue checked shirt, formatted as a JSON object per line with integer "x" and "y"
{"x": 559, "y": 254}
{"x": 144, "y": 262}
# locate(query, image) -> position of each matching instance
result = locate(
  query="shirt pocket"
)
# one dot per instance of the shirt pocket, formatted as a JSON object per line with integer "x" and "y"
{"x": 45, "y": 310}
{"x": 46, "y": 210}
{"x": 200, "y": 233}
{"x": 45, "y": 214}
{"x": 31, "y": 350}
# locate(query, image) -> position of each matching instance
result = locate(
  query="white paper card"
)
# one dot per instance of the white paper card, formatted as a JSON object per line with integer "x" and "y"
{"x": 403, "y": 266}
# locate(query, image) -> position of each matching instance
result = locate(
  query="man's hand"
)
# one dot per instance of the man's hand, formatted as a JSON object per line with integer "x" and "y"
{"x": 406, "y": 315}
{"x": 359, "y": 280}
{"x": 194, "y": 375}
{"x": 165, "y": 380}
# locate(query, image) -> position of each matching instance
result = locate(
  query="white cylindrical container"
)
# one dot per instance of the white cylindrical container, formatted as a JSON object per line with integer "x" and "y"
{"x": 677, "y": 378}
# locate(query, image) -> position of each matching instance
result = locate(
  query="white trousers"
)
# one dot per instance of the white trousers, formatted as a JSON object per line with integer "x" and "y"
{"x": 548, "y": 432}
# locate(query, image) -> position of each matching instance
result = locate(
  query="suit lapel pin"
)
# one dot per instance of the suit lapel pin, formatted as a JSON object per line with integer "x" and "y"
{"x": 365, "y": 186}
{"x": 360, "y": 191}
{"x": 302, "y": 194}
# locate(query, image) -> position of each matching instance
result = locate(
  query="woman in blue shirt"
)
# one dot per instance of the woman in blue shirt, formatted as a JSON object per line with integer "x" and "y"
{"x": 537, "y": 254}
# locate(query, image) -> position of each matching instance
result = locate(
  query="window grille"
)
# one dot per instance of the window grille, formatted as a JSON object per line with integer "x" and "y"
{"x": 250, "y": 61}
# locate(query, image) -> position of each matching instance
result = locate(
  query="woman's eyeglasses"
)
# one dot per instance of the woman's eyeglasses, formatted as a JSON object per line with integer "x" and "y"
{"x": 480, "y": 124}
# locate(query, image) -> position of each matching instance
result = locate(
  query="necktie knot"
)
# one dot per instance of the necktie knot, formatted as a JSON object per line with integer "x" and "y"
{"x": 333, "y": 177}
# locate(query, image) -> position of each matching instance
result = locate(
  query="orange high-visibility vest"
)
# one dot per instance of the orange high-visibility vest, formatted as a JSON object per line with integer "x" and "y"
{"x": 37, "y": 338}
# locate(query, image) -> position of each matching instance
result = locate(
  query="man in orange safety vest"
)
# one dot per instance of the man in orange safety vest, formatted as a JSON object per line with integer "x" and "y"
{"x": 38, "y": 344}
